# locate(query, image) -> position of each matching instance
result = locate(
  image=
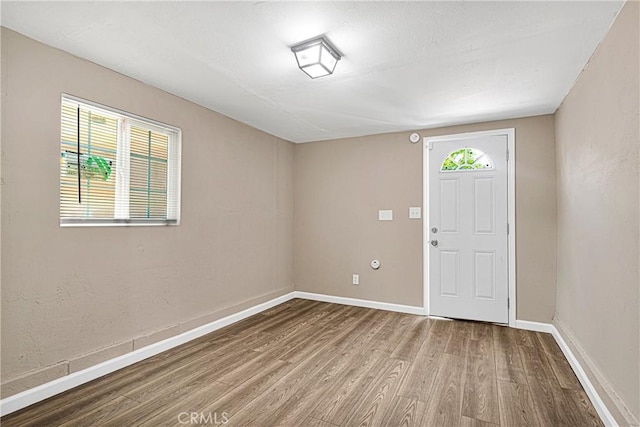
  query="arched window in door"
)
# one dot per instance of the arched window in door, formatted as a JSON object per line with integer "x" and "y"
{"x": 466, "y": 159}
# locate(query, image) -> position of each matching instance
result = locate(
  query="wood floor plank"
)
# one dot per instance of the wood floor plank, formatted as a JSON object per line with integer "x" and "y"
{"x": 419, "y": 379}
{"x": 314, "y": 422}
{"x": 507, "y": 356}
{"x": 346, "y": 357}
{"x": 503, "y": 340}
{"x": 192, "y": 403}
{"x": 445, "y": 404}
{"x": 162, "y": 399}
{"x": 516, "y": 406}
{"x": 100, "y": 415}
{"x": 472, "y": 422}
{"x": 578, "y": 402}
{"x": 328, "y": 334}
{"x": 440, "y": 333}
{"x": 389, "y": 332}
{"x": 365, "y": 324}
{"x": 345, "y": 394}
{"x": 481, "y": 331}
{"x": 379, "y": 397}
{"x": 172, "y": 376}
{"x": 480, "y": 400}
{"x": 266, "y": 404}
{"x": 232, "y": 402}
{"x": 509, "y": 367}
{"x": 405, "y": 413}
{"x": 561, "y": 368}
{"x": 255, "y": 323}
{"x": 303, "y": 400}
{"x": 298, "y": 314}
{"x": 289, "y": 338}
{"x": 481, "y": 348}
{"x": 412, "y": 340}
{"x": 295, "y": 347}
{"x": 314, "y": 363}
{"x": 142, "y": 374}
{"x": 368, "y": 330}
{"x": 458, "y": 343}
{"x": 551, "y": 406}
{"x": 522, "y": 337}
{"x": 536, "y": 365}
{"x": 307, "y": 321}
{"x": 247, "y": 370}
{"x": 550, "y": 403}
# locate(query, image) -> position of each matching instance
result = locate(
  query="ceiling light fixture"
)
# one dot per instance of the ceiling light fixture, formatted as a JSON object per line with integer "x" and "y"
{"x": 316, "y": 57}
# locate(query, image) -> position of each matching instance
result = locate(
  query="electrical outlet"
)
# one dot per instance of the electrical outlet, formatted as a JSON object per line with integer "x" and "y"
{"x": 356, "y": 279}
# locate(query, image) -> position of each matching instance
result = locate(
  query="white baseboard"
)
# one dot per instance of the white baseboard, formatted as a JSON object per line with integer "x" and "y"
{"x": 595, "y": 399}
{"x": 409, "y": 309}
{"x": 534, "y": 326}
{"x": 62, "y": 384}
{"x": 597, "y": 402}
{"x": 44, "y": 391}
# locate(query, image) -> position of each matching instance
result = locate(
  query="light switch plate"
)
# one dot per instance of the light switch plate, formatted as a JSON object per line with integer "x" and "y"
{"x": 385, "y": 215}
{"x": 415, "y": 212}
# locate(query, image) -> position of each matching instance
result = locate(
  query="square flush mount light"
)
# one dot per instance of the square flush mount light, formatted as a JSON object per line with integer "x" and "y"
{"x": 316, "y": 57}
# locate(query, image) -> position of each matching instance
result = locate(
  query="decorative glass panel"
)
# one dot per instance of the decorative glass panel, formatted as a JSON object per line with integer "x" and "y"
{"x": 466, "y": 159}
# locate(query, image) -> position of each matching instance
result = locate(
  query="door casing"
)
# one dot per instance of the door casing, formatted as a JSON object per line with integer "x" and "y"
{"x": 511, "y": 212}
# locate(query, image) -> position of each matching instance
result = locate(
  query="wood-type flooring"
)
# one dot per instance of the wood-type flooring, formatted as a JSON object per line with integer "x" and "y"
{"x": 308, "y": 363}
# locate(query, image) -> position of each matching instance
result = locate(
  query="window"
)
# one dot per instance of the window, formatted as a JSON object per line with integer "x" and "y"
{"x": 466, "y": 159}
{"x": 116, "y": 168}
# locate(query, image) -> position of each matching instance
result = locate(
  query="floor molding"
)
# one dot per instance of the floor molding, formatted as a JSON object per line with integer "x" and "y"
{"x": 62, "y": 384}
{"x": 44, "y": 391}
{"x": 594, "y": 397}
{"x": 597, "y": 402}
{"x": 408, "y": 309}
{"x": 534, "y": 326}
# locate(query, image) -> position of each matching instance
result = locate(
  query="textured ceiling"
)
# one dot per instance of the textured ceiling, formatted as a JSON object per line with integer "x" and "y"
{"x": 406, "y": 65}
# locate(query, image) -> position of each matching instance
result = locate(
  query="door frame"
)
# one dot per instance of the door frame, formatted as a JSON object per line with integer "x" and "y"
{"x": 511, "y": 211}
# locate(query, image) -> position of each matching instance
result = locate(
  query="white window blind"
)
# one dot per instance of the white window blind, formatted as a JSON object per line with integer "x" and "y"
{"x": 116, "y": 168}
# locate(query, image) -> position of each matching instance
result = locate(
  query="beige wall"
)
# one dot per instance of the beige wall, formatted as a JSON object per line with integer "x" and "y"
{"x": 340, "y": 185}
{"x": 72, "y": 297}
{"x": 598, "y": 140}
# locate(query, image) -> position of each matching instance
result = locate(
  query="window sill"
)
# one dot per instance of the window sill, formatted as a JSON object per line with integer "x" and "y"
{"x": 117, "y": 223}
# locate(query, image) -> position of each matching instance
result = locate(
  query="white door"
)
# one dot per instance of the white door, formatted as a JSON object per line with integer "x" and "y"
{"x": 468, "y": 256}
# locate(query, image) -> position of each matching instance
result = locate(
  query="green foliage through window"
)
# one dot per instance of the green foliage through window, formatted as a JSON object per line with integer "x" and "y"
{"x": 466, "y": 159}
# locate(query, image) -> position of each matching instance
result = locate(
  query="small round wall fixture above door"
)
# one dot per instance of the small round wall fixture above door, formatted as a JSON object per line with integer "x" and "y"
{"x": 414, "y": 137}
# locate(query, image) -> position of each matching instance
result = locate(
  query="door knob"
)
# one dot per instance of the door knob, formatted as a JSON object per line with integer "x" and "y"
{"x": 434, "y": 243}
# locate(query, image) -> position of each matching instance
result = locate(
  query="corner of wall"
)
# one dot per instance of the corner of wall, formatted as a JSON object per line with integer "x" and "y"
{"x": 596, "y": 138}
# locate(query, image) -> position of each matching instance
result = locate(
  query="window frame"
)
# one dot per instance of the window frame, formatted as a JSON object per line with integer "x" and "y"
{"x": 121, "y": 202}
